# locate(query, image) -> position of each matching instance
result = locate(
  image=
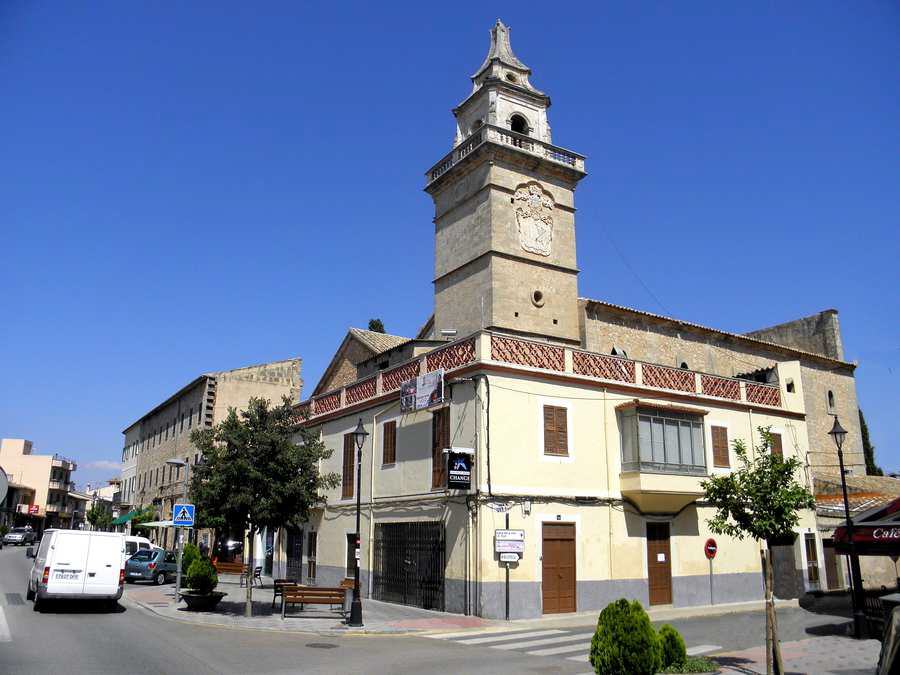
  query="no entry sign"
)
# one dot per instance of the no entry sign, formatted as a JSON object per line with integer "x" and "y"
{"x": 710, "y": 548}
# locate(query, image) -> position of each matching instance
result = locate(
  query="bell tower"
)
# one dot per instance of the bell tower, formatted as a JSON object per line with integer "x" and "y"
{"x": 504, "y": 210}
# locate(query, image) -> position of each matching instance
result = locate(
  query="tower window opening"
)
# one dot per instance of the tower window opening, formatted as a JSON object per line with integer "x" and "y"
{"x": 519, "y": 124}
{"x": 830, "y": 400}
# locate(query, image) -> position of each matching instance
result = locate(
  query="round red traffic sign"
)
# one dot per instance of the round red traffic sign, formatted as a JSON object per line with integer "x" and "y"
{"x": 710, "y": 548}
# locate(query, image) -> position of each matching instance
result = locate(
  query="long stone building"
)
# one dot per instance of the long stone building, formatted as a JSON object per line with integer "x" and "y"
{"x": 163, "y": 432}
{"x": 591, "y": 425}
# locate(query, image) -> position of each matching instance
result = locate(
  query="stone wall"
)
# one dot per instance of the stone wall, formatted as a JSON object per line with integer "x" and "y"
{"x": 819, "y": 334}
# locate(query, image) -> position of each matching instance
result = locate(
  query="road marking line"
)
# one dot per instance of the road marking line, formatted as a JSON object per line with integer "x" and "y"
{"x": 5, "y": 635}
{"x": 581, "y": 657}
{"x": 549, "y": 641}
{"x": 450, "y": 636}
{"x": 505, "y": 637}
{"x": 702, "y": 649}
{"x": 553, "y": 651}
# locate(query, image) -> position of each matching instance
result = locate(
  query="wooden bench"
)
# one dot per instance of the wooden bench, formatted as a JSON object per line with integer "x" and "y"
{"x": 311, "y": 595}
{"x": 230, "y": 567}
{"x": 278, "y": 587}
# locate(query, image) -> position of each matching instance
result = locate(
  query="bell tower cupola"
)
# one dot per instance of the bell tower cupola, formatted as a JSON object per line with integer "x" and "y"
{"x": 504, "y": 210}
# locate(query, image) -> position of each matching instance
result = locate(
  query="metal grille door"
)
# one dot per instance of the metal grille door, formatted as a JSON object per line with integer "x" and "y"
{"x": 409, "y": 564}
{"x": 295, "y": 555}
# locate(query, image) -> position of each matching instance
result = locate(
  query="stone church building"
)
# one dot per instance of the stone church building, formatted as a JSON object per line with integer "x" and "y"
{"x": 589, "y": 425}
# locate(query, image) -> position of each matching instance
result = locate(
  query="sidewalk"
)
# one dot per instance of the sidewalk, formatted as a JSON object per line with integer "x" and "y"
{"x": 824, "y": 655}
{"x": 379, "y": 617}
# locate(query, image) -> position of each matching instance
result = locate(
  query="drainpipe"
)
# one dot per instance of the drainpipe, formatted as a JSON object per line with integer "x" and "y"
{"x": 608, "y": 490}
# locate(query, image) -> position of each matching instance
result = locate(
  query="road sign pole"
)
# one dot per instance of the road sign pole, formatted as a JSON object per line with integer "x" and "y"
{"x": 507, "y": 574}
{"x": 711, "y": 600}
{"x": 180, "y": 533}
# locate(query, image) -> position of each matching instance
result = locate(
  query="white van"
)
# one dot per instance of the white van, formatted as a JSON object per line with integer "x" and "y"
{"x": 135, "y": 544}
{"x": 77, "y": 565}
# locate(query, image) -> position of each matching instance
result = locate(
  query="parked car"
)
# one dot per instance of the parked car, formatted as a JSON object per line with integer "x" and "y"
{"x": 20, "y": 536}
{"x": 156, "y": 565}
{"x": 77, "y": 565}
{"x": 134, "y": 544}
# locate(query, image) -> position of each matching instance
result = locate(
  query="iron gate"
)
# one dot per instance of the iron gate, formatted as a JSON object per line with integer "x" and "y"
{"x": 294, "y": 567}
{"x": 409, "y": 564}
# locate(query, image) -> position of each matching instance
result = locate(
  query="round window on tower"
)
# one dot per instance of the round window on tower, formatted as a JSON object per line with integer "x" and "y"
{"x": 511, "y": 77}
{"x": 537, "y": 298}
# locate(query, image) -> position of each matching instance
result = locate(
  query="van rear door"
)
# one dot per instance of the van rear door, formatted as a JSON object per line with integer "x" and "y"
{"x": 104, "y": 561}
{"x": 67, "y": 560}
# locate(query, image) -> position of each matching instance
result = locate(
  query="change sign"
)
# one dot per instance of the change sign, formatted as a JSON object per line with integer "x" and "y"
{"x": 459, "y": 474}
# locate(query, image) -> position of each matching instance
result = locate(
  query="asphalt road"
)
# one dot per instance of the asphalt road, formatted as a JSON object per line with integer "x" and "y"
{"x": 82, "y": 638}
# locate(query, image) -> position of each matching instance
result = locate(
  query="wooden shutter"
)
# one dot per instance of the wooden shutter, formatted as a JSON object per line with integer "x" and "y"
{"x": 720, "y": 446}
{"x": 440, "y": 439}
{"x": 347, "y": 478}
{"x": 389, "y": 443}
{"x": 776, "y": 445}
{"x": 556, "y": 432}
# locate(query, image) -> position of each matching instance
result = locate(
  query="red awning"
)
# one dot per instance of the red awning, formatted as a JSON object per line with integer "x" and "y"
{"x": 875, "y": 532}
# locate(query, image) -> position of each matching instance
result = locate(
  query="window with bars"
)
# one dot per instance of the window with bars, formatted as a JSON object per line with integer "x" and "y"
{"x": 776, "y": 445}
{"x": 440, "y": 439}
{"x": 720, "y": 446}
{"x": 389, "y": 442}
{"x": 662, "y": 441}
{"x": 556, "y": 431}
{"x": 349, "y": 465}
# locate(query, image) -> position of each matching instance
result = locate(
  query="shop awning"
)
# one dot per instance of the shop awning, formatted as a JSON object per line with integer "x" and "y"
{"x": 156, "y": 523}
{"x": 121, "y": 520}
{"x": 875, "y": 532}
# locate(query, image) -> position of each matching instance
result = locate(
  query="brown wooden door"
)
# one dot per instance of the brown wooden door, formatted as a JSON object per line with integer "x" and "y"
{"x": 559, "y": 578}
{"x": 659, "y": 564}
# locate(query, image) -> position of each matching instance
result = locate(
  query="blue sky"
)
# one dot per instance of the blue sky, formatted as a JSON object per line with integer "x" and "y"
{"x": 197, "y": 186}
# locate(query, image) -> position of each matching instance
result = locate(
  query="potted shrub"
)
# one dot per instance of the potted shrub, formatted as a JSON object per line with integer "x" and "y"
{"x": 202, "y": 580}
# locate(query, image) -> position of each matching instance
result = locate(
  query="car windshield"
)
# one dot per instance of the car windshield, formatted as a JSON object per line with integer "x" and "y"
{"x": 143, "y": 555}
{"x": 18, "y": 530}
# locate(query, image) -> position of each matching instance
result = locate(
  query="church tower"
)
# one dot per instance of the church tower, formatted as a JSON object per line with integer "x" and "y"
{"x": 504, "y": 210}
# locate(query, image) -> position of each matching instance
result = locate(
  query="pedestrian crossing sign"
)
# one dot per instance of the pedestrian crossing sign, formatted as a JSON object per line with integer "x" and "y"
{"x": 183, "y": 515}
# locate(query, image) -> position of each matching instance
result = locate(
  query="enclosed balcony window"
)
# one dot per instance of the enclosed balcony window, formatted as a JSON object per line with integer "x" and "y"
{"x": 662, "y": 441}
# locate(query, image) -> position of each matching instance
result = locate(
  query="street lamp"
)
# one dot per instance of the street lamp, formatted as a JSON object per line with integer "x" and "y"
{"x": 838, "y": 433}
{"x": 180, "y": 463}
{"x": 359, "y": 437}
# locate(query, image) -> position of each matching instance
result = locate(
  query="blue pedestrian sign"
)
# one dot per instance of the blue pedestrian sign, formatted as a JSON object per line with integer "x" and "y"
{"x": 183, "y": 515}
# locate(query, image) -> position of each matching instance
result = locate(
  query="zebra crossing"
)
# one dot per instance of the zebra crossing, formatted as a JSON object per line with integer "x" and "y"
{"x": 572, "y": 644}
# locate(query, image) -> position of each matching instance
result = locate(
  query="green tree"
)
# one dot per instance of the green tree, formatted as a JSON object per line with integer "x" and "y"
{"x": 376, "y": 326}
{"x": 761, "y": 499}
{"x": 255, "y": 476}
{"x": 872, "y": 469}
{"x": 147, "y": 514}
{"x": 99, "y": 517}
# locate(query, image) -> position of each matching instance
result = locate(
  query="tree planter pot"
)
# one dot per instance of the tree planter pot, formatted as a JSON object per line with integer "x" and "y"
{"x": 201, "y": 602}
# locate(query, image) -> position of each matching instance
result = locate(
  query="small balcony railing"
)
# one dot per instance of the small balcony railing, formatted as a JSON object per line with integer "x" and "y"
{"x": 490, "y": 133}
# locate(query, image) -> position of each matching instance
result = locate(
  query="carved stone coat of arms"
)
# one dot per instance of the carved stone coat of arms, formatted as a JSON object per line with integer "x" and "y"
{"x": 534, "y": 217}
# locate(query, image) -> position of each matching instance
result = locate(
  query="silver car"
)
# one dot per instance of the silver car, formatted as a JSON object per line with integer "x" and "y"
{"x": 20, "y": 536}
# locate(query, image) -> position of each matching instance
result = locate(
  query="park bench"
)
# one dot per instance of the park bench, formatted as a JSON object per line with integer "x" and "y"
{"x": 311, "y": 595}
{"x": 233, "y": 568}
{"x": 278, "y": 587}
